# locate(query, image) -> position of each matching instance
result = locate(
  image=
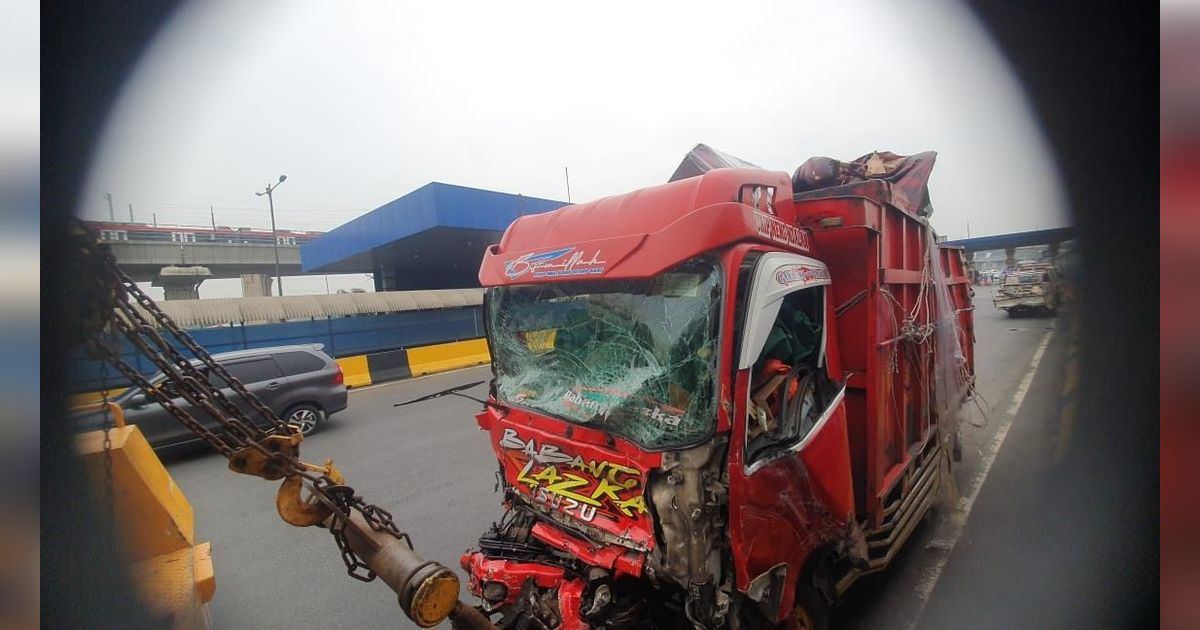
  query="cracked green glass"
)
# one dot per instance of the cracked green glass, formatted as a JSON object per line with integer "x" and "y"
{"x": 635, "y": 358}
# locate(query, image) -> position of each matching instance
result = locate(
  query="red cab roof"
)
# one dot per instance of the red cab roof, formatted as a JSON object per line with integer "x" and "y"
{"x": 648, "y": 231}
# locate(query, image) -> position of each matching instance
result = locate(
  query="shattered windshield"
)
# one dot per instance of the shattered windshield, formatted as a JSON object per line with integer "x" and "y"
{"x": 636, "y": 358}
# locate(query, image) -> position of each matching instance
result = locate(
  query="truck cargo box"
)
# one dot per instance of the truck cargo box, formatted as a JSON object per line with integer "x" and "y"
{"x": 888, "y": 307}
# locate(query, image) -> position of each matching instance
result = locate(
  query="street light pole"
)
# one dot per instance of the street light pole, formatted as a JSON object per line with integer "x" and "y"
{"x": 269, "y": 192}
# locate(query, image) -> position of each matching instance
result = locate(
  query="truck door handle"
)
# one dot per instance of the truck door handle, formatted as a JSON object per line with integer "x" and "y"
{"x": 272, "y": 385}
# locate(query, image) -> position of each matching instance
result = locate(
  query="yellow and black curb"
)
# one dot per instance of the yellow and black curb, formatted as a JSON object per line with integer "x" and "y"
{"x": 380, "y": 367}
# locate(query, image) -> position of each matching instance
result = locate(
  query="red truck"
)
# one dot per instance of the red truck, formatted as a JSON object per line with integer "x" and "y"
{"x": 719, "y": 401}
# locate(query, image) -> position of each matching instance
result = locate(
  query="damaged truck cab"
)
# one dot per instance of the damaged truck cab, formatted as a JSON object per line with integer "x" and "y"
{"x": 715, "y": 402}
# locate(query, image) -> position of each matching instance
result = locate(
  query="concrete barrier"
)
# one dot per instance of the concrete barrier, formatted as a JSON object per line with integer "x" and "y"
{"x": 448, "y": 356}
{"x": 388, "y": 366}
{"x": 355, "y": 370}
{"x": 393, "y": 365}
{"x": 361, "y": 370}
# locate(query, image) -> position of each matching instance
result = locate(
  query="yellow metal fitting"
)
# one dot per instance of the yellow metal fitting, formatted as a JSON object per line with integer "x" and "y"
{"x": 435, "y": 598}
{"x": 115, "y": 412}
{"x": 252, "y": 461}
{"x": 300, "y": 511}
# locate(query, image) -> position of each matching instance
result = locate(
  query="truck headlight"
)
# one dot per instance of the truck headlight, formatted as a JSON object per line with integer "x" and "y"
{"x": 494, "y": 592}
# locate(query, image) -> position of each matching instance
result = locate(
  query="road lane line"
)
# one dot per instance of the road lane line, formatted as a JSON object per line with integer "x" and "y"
{"x": 958, "y": 519}
{"x": 1023, "y": 388}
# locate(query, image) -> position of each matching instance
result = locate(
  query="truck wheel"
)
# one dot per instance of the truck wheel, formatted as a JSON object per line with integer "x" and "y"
{"x": 304, "y": 417}
{"x": 811, "y": 611}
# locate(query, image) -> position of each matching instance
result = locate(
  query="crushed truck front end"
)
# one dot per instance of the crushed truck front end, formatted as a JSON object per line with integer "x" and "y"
{"x": 610, "y": 326}
{"x": 685, "y": 397}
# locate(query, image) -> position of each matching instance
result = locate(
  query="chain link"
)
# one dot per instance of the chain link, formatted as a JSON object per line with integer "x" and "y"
{"x": 108, "y": 426}
{"x": 379, "y": 519}
{"x": 196, "y": 381}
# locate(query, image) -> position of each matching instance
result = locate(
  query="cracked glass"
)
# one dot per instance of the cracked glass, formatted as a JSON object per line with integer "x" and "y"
{"x": 636, "y": 358}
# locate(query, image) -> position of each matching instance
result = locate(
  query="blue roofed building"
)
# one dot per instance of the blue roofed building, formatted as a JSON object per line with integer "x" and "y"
{"x": 431, "y": 238}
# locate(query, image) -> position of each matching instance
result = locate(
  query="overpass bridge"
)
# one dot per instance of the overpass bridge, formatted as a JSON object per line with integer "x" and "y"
{"x": 180, "y": 268}
{"x": 144, "y": 260}
{"x": 1052, "y": 238}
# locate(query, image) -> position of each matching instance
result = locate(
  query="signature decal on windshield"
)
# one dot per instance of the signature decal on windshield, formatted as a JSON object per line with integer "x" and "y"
{"x": 568, "y": 261}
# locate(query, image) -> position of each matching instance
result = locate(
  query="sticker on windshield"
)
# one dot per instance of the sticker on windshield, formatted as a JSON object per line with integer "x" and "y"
{"x": 662, "y": 414}
{"x": 568, "y": 261}
{"x": 592, "y": 401}
{"x": 539, "y": 340}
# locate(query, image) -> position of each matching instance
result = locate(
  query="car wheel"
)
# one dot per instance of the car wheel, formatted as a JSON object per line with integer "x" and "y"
{"x": 306, "y": 418}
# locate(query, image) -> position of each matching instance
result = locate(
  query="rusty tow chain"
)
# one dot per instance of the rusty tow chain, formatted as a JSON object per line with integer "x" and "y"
{"x": 118, "y": 305}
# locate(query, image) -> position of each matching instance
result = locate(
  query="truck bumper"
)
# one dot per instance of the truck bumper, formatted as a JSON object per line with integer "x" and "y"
{"x": 1021, "y": 302}
{"x": 513, "y": 577}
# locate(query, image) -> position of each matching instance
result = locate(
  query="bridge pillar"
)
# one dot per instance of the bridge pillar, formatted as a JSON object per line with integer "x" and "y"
{"x": 256, "y": 285}
{"x": 181, "y": 283}
{"x": 1010, "y": 257}
{"x": 385, "y": 278}
{"x": 1053, "y": 247}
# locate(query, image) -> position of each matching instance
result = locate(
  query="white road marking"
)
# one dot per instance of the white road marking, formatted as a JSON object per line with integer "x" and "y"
{"x": 958, "y": 519}
{"x": 1023, "y": 387}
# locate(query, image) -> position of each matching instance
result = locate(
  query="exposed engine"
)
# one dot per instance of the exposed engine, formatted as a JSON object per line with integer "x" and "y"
{"x": 536, "y": 569}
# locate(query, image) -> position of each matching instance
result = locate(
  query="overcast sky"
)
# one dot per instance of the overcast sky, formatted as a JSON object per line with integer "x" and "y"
{"x": 359, "y": 103}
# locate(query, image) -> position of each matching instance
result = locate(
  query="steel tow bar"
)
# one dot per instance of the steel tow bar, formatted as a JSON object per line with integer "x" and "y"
{"x": 428, "y": 591}
{"x": 258, "y": 443}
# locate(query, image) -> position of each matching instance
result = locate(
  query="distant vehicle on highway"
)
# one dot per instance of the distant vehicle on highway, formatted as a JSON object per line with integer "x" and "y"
{"x": 301, "y": 384}
{"x": 1029, "y": 288}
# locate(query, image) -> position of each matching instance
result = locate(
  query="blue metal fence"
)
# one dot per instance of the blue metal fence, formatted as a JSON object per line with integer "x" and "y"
{"x": 342, "y": 336}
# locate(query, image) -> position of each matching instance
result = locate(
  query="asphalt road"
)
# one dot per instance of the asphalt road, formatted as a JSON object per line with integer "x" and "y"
{"x": 429, "y": 464}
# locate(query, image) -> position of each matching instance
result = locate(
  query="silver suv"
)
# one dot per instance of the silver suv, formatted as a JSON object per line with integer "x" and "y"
{"x": 301, "y": 384}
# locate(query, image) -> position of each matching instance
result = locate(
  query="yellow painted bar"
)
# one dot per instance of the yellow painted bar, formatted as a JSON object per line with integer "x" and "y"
{"x": 152, "y": 514}
{"x": 166, "y": 584}
{"x": 448, "y": 356}
{"x": 205, "y": 577}
{"x": 155, "y": 524}
{"x": 91, "y": 398}
{"x": 355, "y": 370}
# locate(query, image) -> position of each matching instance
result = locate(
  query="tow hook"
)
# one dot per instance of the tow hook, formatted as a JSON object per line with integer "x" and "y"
{"x": 601, "y": 598}
{"x": 601, "y": 592}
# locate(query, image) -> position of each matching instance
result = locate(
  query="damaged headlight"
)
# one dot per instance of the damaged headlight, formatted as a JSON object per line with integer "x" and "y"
{"x": 494, "y": 592}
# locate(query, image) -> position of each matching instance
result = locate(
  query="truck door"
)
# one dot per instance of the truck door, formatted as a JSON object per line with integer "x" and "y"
{"x": 790, "y": 480}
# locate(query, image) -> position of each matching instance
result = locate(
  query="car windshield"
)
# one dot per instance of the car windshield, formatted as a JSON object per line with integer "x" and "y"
{"x": 636, "y": 358}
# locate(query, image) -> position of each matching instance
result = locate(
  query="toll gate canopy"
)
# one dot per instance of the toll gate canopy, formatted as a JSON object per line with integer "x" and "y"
{"x": 431, "y": 238}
